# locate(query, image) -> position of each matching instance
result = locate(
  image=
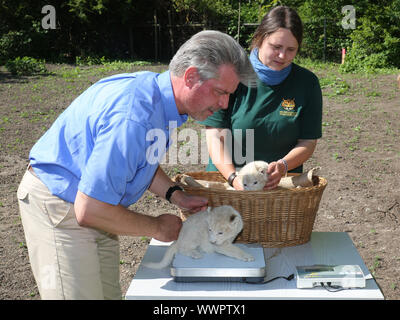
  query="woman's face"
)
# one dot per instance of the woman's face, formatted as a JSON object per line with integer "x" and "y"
{"x": 278, "y": 49}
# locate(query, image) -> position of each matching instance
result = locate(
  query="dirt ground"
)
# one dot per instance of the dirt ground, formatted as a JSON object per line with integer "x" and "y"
{"x": 359, "y": 155}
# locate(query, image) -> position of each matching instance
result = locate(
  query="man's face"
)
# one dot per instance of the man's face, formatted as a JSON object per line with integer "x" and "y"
{"x": 206, "y": 97}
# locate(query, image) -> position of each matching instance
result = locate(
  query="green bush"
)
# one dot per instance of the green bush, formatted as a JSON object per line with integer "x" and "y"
{"x": 89, "y": 60}
{"x": 376, "y": 44}
{"x": 11, "y": 43}
{"x": 26, "y": 66}
{"x": 358, "y": 60}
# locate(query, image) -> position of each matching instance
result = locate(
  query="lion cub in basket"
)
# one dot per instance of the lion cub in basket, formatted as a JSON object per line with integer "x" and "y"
{"x": 253, "y": 176}
{"x": 208, "y": 231}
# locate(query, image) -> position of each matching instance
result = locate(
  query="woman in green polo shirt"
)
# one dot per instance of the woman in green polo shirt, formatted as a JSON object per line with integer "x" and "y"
{"x": 283, "y": 113}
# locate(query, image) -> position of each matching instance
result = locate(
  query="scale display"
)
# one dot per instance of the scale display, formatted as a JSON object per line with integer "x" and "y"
{"x": 345, "y": 276}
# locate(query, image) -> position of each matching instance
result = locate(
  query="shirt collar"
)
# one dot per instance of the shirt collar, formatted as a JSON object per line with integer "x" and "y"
{"x": 168, "y": 99}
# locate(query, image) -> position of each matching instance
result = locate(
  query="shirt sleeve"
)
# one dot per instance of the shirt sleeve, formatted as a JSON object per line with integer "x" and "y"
{"x": 118, "y": 153}
{"x": 311, "y": 121}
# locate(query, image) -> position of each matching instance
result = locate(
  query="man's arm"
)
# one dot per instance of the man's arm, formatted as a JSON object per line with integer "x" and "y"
{"x": 116, "y": 219}
{"x": 119, "y": 220}
{"x": 161, "y": 183}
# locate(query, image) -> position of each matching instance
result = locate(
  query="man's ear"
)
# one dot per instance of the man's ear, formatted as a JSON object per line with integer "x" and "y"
{"x": 191, "y": 76}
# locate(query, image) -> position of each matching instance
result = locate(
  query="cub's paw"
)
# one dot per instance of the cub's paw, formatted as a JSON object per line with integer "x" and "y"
{"x": 196, "y": 255}
{"x": 247, "y": 257}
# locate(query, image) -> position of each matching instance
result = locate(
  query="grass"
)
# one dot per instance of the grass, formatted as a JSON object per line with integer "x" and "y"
{"x": 376, "y": 265}
{"x": 40, "y": 99}
{"x": 338, "y": 86}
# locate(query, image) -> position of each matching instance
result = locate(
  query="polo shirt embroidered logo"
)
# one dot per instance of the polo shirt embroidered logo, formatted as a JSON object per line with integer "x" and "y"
{"x": 289, "y": 106}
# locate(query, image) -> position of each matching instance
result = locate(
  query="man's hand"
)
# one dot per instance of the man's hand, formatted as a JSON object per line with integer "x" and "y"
{"x": 187, "y": 202}
{"x": 160, "y": 184}
{"x": 168, "y": 227}
{"x": 119, "y": 220}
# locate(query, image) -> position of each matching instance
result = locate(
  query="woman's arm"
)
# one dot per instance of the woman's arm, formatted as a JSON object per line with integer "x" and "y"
{"x": 296, "y": 157}
{"x": 220, "y": 153}
{"x": 222, "y": 158}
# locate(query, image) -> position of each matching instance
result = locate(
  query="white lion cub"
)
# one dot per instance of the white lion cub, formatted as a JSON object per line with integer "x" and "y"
{"x": 211, "y": 230}
{"x": 253, "y": 175}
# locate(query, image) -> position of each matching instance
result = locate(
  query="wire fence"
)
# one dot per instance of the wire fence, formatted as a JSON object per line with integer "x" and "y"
{"x": 157, "y": 41}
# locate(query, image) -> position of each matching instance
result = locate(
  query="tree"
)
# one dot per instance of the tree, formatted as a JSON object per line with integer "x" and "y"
{"x": 376, "y": 40}
{"x": 124, "y": 28}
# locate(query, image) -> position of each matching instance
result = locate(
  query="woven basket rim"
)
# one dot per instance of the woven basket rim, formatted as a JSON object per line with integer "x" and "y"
{"x": 322, "y": 182}
{"x": 274, "y": 218}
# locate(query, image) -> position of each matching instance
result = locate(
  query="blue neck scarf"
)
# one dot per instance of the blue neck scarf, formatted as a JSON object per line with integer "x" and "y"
{"x": 266, "y": 74}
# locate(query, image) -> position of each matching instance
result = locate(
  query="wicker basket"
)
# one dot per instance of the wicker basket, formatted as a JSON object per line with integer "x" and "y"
{"x": 276, "y": 218}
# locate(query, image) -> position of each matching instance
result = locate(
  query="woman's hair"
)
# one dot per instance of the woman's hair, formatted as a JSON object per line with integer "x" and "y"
{"x": 278, "y": 17}
{"x": 207, "y": 51}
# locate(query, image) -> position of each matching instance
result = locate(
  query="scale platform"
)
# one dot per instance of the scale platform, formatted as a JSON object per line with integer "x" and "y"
{"x": 214, "y": 267}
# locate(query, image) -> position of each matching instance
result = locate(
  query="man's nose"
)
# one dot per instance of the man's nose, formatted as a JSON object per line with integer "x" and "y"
{"x": 223, "y": 101}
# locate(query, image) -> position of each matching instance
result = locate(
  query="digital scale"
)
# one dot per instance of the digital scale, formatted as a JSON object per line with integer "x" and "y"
{"x": 217, "y": 267}
{"x": 214, "y": 267}
{"x": 343, "y": 276}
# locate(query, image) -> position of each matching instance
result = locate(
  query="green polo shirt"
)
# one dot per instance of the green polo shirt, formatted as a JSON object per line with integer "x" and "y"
{"x": 280, "y": 115}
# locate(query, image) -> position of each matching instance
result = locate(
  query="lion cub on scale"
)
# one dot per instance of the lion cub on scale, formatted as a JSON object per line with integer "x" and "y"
{"x": 208, "y": 231}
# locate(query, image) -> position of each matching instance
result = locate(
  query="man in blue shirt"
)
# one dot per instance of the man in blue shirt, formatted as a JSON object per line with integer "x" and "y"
{"x": 94, "y": 162}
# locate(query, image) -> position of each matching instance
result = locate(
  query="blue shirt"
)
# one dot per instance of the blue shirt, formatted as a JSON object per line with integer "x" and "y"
{"x": 109, "y": 141}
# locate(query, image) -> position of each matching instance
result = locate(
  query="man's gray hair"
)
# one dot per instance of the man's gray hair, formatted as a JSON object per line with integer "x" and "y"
{"x": 207, "y": 51}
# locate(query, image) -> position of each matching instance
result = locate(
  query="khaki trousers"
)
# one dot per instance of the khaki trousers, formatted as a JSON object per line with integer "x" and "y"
{"x": 68, "y": 261}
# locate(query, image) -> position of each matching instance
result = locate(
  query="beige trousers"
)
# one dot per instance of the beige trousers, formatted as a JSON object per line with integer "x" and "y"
{"x": 68, "y": 261}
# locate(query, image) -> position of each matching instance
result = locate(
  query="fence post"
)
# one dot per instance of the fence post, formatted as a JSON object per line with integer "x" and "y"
{"x": 155, "y": 37}
{"x": 324, "y": 39}
{"x": 343, "y": 54}
{"x": 132, "y": 54}
{"x": 171, "y": 34}
{"x": 238, "y": 34}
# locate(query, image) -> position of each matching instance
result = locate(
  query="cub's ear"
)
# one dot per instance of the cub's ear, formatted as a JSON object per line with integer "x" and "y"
{"x": 209, "y": 209}
{"x": 262, "y": 167}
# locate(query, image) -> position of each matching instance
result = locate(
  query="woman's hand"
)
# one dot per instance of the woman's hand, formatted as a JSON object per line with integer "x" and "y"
{"x": 275, "y": 172}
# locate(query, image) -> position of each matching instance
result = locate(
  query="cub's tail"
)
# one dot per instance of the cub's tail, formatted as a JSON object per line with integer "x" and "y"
{"x": 166, "y": 260}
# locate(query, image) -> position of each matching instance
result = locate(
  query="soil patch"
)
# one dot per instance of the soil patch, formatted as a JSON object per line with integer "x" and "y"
{"x": 359, "y": 155}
